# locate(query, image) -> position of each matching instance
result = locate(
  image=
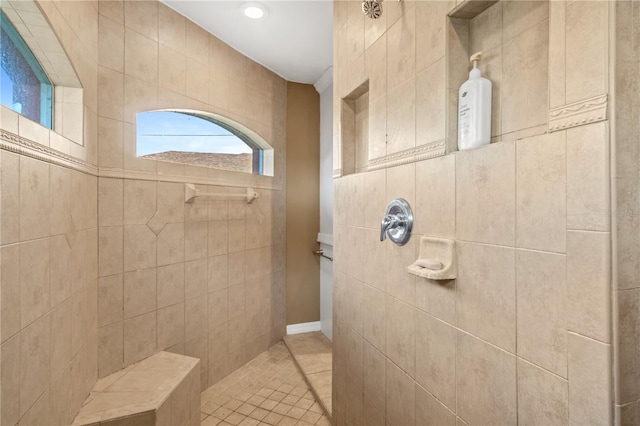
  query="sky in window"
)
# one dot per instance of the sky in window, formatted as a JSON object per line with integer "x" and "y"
{"x": 161, "y": 131}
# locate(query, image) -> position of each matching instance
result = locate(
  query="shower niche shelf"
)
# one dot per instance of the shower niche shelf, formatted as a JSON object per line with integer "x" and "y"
{"x": 354, "y": 128}
{"x": 436, "y": 261}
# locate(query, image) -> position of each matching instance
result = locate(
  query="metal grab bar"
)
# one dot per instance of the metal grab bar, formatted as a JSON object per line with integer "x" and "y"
{"x": 320, "y": 252}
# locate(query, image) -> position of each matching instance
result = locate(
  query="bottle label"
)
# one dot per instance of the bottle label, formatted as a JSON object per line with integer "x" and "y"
{"x": 465, "y": 115}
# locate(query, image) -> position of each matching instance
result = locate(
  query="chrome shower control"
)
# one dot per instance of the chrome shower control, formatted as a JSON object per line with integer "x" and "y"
{"x": 397, "y": 222}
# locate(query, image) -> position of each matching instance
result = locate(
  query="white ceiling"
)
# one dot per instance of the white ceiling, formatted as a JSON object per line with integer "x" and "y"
{"x": 294, "y": 39}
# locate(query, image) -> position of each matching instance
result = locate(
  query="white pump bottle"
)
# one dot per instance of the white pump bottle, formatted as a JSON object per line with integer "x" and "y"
{"x": 474, "y": 109}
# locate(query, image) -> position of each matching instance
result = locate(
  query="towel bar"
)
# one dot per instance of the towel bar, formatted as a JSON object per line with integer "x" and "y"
{"x": 191, "y": 193}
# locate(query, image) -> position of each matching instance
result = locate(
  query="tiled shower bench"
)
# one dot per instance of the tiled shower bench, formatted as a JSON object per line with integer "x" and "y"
{"x": 163, "y": 389}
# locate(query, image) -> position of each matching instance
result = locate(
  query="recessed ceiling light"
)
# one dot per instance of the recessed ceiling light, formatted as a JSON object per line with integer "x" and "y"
{"x": 254, "y": 10}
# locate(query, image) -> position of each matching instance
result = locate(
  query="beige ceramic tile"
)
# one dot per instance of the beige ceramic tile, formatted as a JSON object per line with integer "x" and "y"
{"x": 139, "y": 337}
{"x": 376, "y": 68}
{"x": 430, "y": 32}
{"x": 59, "y": 407}
{"x": 435, "y": 358}
{"x": 557, "y": 57}
{"x": 140, "y": 57}
{"x": 434, "y": 212}
{"x": 139, "y": 96}
{"x": 38, "y": 413}
{"x": 139, "y": 201}
{"x": 110, "y": 349}
{"x": 195, "y": 317}
{"x": 35, "y": 348}
{"x": 218, "y": 238}
{"x": 375, "y": 202}
{"x": 486, "y": 279}
{"x": 430, "y": 411}
{"x": 627, "y": 356}
{"x": 60, "y": 202}
{"x": 34, "y": 281}
{"x": 374, "y": 376}
{"x": 437, "y": 298}
{"x": 587, "y": 178}
{"x": 401, "y": 50}
{"x": 171, "y": 28}
{"x": 485, "y": 382}
{"x": 401, "y": 116}
{"x": 142, "y": 17}
{"x": 430, "y": 103}
{"x": 139, "y": 247}
{"x": 110, "y": 93}
{"x": 628, "y": 246}
{"x": 485, "y": 194}
{"x": 10, "y": 197}
{"x": 139, "y": 292}
{"x": 400, "y": 396}
{"x": 111, "y": 43}
{"x": 522, "y": 15}
{"x": 10, "y": 290}
{"x": 486, "y": 29}
{"x": 541, "y": 309}
{"x": 171, "y": 244}
{"x": 541, "y": 193}
{"x": 400, "y": 329}
{"x": 170, "y": 200}
{"x": 110, "y": 250}
{"x": 399, "y": 283}
{"x": 34, "y": 199}
{"x": 11, "y": 358}
{"x": 110, "y": 299}
{"x": 374, "y": 317}
{"x": 170, "y": 325}
{"x": 590, "y": 388}
{"x": 195, "y": 239}
{"x": 524, "y": 79}
{"x": 110, "y": 201}
{"x": 170, "y": 284}
{"x": 110, "y": 143}
{"x": 586, "y": 50}
{"x": 61, "y": 339}
{"x": 217, "y": 273}
{"x": 353, "y": 304}
{"x": 377, "y": 146}
{"x": 588, "y": 286}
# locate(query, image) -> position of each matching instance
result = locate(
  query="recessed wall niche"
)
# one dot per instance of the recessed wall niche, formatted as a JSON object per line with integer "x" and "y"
{"x": 514, "y": 38}
{"x": 354, "y": 127}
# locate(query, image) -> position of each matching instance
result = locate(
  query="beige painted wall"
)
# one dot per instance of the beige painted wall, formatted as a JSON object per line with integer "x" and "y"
{"x": 303, "y": 203}
{"x": 523, "y": 335}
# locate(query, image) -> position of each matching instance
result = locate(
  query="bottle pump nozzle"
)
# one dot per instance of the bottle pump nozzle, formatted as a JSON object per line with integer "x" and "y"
{"x": 475, "y": 58}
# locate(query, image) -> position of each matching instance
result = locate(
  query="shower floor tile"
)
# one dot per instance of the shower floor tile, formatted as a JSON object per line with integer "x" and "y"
{"x": 268, "y": 390}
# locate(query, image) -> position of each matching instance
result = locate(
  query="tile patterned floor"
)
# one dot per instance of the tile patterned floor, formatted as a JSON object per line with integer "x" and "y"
{"x": 269, "y": 390}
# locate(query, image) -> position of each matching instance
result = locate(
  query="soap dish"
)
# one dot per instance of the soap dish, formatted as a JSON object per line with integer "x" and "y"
{"x": 436, "y": 261}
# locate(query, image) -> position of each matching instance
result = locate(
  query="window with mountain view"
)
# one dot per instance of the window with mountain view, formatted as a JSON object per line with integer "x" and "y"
{"x": 202, "y": 139}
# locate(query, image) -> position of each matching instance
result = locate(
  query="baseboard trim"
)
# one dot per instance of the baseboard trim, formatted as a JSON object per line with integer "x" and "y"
{"x": 303, "y": 327}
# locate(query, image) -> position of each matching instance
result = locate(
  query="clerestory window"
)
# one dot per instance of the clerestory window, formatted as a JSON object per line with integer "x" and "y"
{"x": 24, "y": 85}
{"x": 202, "y": 139}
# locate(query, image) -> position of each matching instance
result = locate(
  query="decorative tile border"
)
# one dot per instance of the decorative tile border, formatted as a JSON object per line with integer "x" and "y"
{"x": 22, "y": 146}
{"x": 577, "y": 114}
{"x": 419, "y": 153}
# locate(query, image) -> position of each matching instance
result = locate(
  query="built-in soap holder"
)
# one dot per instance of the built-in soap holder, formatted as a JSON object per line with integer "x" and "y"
{"x": 436, "y": 261}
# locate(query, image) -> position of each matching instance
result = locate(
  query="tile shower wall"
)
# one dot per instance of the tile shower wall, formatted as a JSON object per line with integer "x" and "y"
{"x": 49, "y": 250}
{"x": 523, "y": 334}
{"x": 626, "y": 214}
{"x": 204, "y": 279}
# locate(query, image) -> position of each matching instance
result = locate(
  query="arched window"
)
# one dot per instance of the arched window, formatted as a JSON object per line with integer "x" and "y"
{"x": 202, "y": 139}
{"x": 24, "y": 85}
